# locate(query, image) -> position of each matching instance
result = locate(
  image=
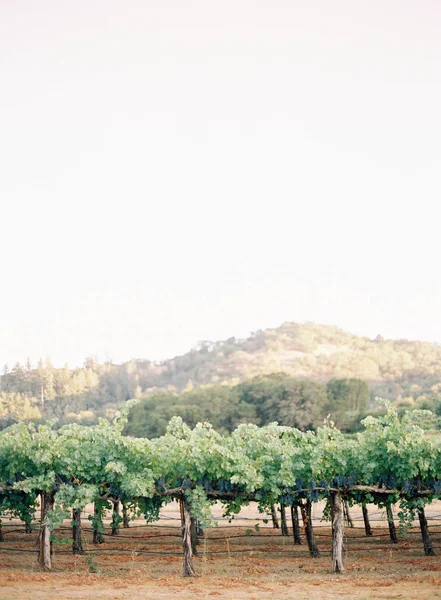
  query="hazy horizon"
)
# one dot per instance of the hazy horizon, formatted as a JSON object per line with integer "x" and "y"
{"x": 174, "y": 172}
{"x": 107, "y": 358}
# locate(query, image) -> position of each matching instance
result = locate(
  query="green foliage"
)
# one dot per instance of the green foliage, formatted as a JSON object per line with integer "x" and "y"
{"x": 270, "y": 464}
{"x": 200, "y": 506}
{"x": 76, "y": 496}
{"x": 219, "y": 405}
{"x": 262, "y": 400}
{"x": 346, "y": 399}
{"x": 60, "y": 540}
{"x": 92, "y": 564}
{"x": 149, "y": 508}
{"x": 97, "y": 518}
{"x": 204, "y": 384}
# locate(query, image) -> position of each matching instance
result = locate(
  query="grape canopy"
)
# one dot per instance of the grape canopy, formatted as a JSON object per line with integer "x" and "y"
{"x": 392, "y": 461}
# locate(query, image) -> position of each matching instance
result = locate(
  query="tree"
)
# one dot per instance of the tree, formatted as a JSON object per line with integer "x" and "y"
{"x": 302, "y": 404}
{"x": 346, "y": 399}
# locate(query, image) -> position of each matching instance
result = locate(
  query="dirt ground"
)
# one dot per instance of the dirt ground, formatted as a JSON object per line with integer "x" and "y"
{"x": 234, "y": 562}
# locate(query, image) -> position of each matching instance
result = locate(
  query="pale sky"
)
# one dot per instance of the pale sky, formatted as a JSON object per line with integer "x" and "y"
{"x": 173, "y": 171}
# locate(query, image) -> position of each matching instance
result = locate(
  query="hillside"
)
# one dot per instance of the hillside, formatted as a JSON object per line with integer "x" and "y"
{"x": 312, "y": 351}
{"x": 408, "y": 372}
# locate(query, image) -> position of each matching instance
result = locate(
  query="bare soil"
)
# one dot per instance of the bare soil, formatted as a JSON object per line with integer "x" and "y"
{"x": 234, "y": 562}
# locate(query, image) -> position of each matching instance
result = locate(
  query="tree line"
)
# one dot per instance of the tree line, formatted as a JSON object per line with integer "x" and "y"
{"x": 262, "y": 400}
{"x": 407, "y": 373}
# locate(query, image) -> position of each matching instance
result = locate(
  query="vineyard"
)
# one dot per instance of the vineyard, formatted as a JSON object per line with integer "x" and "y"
{"x": 87, "y": 474}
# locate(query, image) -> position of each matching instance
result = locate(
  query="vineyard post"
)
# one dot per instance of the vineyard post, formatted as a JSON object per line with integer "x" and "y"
{"x": 2, "y": 537}
{"x": 367, "y": 525}
{"x": 337, "y": 514}
{"x": 283, "y": 519}
{"x": 188, "y": 570}
{"x": 428, "y": 548}
{"x": 295, "y": 524}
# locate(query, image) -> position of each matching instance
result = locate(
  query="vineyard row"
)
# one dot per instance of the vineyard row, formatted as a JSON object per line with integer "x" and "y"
{"x": 391, "y": 462}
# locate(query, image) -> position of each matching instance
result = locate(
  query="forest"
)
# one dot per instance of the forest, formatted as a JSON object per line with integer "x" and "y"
{"x": 295, "y": 374}
{"x": 303, "y": 404}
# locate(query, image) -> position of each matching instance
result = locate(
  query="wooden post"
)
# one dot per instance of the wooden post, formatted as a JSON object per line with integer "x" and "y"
{"x": 188, "y": 549}
{"x": 47, "y": 504}
{"x": 309, "y": 532}
{"x": 428, "y": 548}
{"x": 337, "y": 532}
{"x": 367, "y": 525}
{"x": 77, "y": 542}
{"x": 283, "y": 519}
{"x": 2, "y": 537}
{"x": 390, "y": 521}
{"x": 274, "y": 517}
{"x": 295, "y": 524}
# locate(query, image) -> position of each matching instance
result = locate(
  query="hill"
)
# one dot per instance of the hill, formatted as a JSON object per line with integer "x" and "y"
{"x": 407, "y": 372}
{"x": 320, "y": 352}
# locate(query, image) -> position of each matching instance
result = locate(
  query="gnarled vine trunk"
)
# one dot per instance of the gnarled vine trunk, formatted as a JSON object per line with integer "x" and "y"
{"x": 45, "y": 546}
{"x": 125, "y": 514}
{"x": 274, "y": 517}
{"x": 295, "y": 524}
{"x": 283, "y": 519}
{"x": 390, "y": 522}
{"x": 115, "y": 517}
{"x": 188, "y": 570}
{"x": 306, "y": 510}
{"x": 77, "y": 542}
{"x": 428, "y": 547}
{"x": 337, "y": 513}
{"x": 98, "y": 525}
{"x": 367, "y": 525}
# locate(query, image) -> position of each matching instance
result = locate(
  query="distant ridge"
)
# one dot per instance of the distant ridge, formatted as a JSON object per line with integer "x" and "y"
{"x": 409, "y": 371}
{"x": 310, "y": 351}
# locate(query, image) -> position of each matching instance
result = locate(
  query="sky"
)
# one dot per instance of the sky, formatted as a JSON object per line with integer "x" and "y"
{"x": 191, "y": 170}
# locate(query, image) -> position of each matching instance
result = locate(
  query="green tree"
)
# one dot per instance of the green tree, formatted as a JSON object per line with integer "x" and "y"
{"x": 346, "y": 400}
